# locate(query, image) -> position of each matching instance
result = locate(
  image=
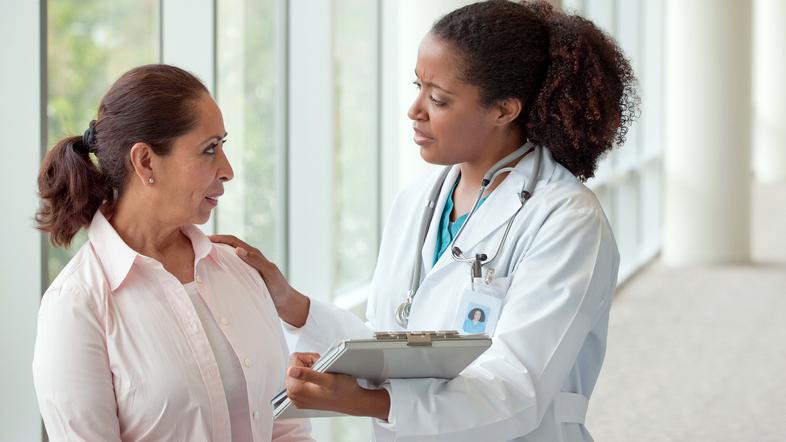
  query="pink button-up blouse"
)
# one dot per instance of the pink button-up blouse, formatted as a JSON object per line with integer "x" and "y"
{"x": 122, "y": 356}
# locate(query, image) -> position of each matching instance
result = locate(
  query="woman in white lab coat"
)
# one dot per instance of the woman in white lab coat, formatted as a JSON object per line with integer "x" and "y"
{"x": 494, "y": 78}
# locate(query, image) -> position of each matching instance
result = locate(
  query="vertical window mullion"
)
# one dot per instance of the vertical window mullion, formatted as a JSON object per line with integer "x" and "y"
{"x": 311, "y": 146}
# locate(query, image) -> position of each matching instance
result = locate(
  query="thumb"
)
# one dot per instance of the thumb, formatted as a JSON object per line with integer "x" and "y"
{"x": 309, "y": 375}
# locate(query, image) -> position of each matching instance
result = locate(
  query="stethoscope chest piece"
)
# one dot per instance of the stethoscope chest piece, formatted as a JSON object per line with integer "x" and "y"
{"x": 402, "y": 313}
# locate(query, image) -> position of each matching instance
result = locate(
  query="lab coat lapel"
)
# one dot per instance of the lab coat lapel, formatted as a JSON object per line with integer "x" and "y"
{"x": 430, "y": 246}
{"x": 493, "y": 214}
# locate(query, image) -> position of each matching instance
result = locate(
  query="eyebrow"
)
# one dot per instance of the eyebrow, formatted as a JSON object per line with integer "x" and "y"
{"x": 214, "y": 137}
{"x": 432, "y": 84}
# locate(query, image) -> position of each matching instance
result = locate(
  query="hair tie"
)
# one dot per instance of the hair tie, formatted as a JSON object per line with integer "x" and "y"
{"x": 85, "y": 146}
{"x": 88, "y": 138}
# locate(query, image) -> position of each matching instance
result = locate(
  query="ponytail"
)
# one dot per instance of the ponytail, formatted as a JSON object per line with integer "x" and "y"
{"x": 153, "y": 104}
{"x": 588, "y": 98}
{"x": 71, "y": 189}
{"x": 577, "y": 89}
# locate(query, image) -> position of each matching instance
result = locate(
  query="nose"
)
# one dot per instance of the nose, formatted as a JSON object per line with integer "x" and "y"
{"x": 225, "y": 172}
{"x": 416, "y": 110}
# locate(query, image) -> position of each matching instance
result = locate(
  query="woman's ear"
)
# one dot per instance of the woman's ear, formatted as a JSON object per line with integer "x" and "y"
{"x": 506, "y": 111}
{"x": 142, "y": 162}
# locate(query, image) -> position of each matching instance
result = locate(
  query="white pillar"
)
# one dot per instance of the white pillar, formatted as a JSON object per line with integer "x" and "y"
{"x": 769, "y": 89}
{"x": 707, "y": 149}
{"x": 22, "y": 38}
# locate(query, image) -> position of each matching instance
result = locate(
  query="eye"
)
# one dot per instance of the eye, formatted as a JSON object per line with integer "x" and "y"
{"x": 417, "y": 84}
{"x": 436, "y": 102}
{"x": 211, "y": 149}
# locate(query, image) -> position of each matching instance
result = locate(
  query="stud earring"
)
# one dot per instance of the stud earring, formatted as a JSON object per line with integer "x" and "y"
{"x": 151, "y": 180}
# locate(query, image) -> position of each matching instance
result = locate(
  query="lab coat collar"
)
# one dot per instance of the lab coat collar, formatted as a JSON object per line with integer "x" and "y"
{"x": 430, "y": 246}
{"x": 117, "y": 258}
{"x": 501, "y": 204}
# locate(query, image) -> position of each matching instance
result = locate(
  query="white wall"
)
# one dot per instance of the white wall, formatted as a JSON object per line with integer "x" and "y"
{"x": 20, "y": 244}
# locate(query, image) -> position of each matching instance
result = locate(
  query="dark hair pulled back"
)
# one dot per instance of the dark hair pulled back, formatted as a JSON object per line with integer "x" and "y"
{"x": 577, "y": 88}
{"x": 153, "y": 104}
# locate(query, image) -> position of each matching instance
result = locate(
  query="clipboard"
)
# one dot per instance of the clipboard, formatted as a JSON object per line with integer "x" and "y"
{"x": 392, "y": 355}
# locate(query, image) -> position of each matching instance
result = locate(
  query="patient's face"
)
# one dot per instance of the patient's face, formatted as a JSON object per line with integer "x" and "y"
{"x": 191, "y": 178}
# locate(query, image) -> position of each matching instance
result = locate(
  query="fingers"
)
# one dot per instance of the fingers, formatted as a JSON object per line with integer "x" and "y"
{"x": 303, "y": 359}
{"x": 234, "y": 242}
{"x": 253, "y": 258}
{"x": 306, "y": 374}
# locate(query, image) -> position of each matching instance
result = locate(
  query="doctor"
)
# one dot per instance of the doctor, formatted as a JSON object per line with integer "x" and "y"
{"x": 530, "y": 99}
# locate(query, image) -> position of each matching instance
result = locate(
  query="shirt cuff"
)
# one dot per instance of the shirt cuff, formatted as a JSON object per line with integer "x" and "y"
{"x": 311, "y": 337}
{"x": 390, "y": 423}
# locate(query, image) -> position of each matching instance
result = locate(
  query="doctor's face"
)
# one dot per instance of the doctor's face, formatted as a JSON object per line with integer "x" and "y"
{"x": 450, "y": 124}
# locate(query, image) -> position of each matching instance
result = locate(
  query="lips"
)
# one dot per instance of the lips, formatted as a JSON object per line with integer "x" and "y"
{"x": 213, "y": 199}
{"x": 421, "y": 138}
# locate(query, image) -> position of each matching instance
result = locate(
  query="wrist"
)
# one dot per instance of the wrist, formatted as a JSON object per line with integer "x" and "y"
{"x": 373, "y": 403}
{"x": 293, "y": 308}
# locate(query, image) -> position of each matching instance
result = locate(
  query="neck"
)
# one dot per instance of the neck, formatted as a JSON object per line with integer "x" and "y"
{"x": 472, "y": 172}
{"x": 145, "y": 234}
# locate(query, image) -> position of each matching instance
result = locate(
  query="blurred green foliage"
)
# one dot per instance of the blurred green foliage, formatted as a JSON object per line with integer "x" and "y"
{"x": 90, "y": 43}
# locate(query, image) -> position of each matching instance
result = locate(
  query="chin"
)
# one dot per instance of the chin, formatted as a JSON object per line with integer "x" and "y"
{"x": 202, "y": 219}
{"x": 432, "y": 156}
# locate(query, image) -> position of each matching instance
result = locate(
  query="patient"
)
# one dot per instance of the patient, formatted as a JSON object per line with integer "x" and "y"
{"x": 152, "y": 332}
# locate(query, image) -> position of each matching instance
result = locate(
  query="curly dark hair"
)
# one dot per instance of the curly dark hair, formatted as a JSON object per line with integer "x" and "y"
{"x": 577, "y": 88}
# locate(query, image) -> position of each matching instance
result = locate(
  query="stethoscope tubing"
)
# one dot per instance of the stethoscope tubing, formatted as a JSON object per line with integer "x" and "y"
{"x": 402, "y": 312}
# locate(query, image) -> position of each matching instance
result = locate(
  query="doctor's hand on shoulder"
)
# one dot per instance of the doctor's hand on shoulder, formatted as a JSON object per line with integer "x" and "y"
{"x": 307, "y": 388}
{"x": 291, "y": 305}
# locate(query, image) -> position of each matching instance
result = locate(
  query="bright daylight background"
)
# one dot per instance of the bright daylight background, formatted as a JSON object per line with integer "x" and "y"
{"x": 314, "y": 95}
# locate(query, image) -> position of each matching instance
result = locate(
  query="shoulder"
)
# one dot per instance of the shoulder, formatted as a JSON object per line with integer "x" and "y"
{"x": 564, "y": 194}
{"x": 80, "y": 285}
{"x": 417, "y": 190}
{"x": 227, "y": 255}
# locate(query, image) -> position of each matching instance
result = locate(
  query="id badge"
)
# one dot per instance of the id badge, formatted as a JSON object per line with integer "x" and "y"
{"x": 479, "y": 309}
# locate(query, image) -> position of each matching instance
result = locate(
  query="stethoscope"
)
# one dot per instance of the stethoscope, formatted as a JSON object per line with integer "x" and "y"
{"x": 480, "y": 259}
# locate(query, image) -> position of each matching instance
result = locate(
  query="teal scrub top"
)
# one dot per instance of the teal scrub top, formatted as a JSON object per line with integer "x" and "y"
{"x": 448, "y": 230}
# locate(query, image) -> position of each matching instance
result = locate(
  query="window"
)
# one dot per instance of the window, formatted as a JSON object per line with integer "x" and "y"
{"x": 356, "y": 144}
{"x": 628, "y": 181}
{"x": 251, "y": 91}
{"x": 90, "y": 43}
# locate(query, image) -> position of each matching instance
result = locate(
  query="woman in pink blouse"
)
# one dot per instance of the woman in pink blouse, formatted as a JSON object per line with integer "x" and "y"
{"x": 151, "y": 332}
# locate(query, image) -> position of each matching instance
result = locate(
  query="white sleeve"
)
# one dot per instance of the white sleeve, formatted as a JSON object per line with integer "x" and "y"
{"x": 71, "y": 372}
{"x": 560, "y": 288}
{"x": 325, "y": 325}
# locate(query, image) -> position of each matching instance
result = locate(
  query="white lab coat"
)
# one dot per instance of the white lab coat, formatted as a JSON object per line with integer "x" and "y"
{"x": 559, "y": 266}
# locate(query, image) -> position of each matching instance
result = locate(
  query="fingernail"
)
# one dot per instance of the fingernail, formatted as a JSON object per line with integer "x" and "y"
{"x": 241, "y": 251}
{"x": 294, "y": 372}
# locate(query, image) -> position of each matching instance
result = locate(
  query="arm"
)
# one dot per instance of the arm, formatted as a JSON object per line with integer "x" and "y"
{"x": 559, "y": 290}
{"x": 309, "y": 325}
{"x": 71, "y": 372}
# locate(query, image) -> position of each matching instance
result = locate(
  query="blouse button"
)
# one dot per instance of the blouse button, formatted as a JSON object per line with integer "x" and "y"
{"x": 224, "y": 320}
{"x": 247, "y": 362}
{"x": 198, "y": 279}
{"x": 255, "y": 415}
